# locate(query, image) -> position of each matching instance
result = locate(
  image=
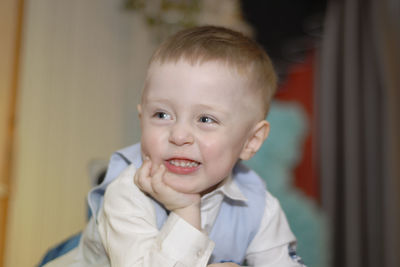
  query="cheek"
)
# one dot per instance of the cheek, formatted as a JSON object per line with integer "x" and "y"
{"x": 151, "y": 142}
{"x": 222, "y": 147}
{"x": 217, "y": 148}
{"x": 211, "y": 146}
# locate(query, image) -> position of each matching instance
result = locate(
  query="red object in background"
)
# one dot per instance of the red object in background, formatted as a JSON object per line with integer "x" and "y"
{"x": 299, "y": 86}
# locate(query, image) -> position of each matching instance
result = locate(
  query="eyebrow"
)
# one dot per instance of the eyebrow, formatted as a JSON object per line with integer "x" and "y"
{"x": 215, "y": 108}
{"x": 154, "y": 99}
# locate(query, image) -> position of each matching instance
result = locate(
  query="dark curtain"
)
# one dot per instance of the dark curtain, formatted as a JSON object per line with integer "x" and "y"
{"x": 358, "y": 131}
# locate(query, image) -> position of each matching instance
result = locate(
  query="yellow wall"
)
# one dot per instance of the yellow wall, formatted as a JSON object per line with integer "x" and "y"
{"x": 82, "y": 68}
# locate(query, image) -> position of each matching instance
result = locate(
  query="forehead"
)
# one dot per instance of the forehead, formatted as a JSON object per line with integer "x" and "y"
{"x": 197, "y": 68}
{"x": 185, "y": 78}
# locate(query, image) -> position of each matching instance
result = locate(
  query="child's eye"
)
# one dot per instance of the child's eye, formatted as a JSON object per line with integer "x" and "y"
{"x": 162, "y": 115}
{"x": 206, "y": 119}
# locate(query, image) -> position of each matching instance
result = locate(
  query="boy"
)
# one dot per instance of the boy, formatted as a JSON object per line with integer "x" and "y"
{"x": 182, "y": 197}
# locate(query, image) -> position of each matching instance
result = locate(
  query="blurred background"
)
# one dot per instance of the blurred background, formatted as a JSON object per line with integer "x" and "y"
{"x": 70, "y": 79}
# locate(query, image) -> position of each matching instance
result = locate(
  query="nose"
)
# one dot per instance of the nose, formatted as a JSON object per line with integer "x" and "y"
{"x": 180, "y": 134}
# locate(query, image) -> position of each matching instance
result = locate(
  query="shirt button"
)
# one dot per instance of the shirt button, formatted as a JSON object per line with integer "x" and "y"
{"x": 199, "y": 253}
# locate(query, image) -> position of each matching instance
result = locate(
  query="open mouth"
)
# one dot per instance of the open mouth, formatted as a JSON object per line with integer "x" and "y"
{"x": 183, "y": 163}
{"x": 182, "y": 166}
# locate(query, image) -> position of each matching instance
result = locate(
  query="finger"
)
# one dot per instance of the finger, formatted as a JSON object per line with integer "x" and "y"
{"x": 144, "y": 184}
{"x": 157, "y": 182}
{"x": 142, "y": 171}
{"x": 153, "y": 170}
{"x": 142, "y": 177}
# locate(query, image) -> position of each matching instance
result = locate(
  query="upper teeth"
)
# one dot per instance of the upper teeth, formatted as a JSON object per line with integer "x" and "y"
{"x": 184, "y": 163}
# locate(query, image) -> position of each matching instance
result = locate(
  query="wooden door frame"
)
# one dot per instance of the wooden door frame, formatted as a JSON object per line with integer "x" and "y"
{"x": 11, "y": 36}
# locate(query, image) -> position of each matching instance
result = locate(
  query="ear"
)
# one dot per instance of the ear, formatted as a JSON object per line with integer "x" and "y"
{"x": 257, "y": 137}
{"x": 139, "y": 109}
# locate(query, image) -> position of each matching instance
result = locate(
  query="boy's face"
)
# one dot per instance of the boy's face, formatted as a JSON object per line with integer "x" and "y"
{"x": 196, "y": 120}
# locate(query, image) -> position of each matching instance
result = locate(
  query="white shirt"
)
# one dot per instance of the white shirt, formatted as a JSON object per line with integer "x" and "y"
{"x": 128, "y": 228}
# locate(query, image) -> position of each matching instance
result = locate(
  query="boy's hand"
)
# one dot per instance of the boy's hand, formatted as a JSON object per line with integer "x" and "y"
{"x": 185, "y": 205}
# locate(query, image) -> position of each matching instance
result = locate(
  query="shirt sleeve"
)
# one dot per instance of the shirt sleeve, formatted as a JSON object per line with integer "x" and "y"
{"x": 274, "y": 243}
{"x": 128, "y": 229}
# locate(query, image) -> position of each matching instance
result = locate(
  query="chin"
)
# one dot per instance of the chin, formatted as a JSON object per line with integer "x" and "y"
{"x": 181, "y": 184}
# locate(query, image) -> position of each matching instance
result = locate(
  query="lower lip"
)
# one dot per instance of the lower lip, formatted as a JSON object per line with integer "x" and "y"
{"x": 180, "y": 170}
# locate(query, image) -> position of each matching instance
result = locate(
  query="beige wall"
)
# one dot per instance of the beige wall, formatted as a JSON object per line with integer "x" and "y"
{"x": 81, "y": 71}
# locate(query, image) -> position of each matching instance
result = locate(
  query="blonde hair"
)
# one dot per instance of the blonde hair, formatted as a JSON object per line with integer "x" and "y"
{"x": 212, "y": 43}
